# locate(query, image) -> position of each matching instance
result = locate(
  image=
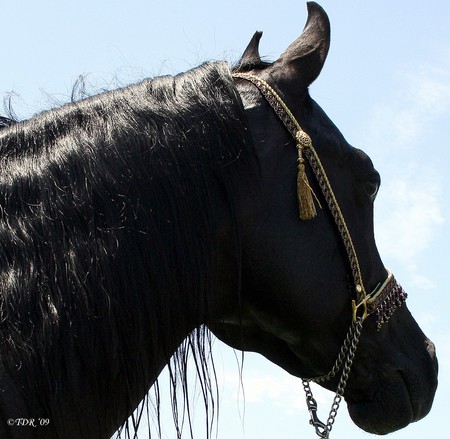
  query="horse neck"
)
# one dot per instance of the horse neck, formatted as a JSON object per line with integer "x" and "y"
{"x": 129, "y": 253}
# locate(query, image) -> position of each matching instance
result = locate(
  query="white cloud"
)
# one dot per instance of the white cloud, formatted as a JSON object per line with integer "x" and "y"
{"x": 274, "y": 387}
{"x": 422, "y": 97}
{"x": 410, "y": 206}
{"x": 410, "y": 211}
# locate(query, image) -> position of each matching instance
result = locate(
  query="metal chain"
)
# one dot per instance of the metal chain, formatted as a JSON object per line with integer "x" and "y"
{"x": 323, "y": 430}
{"x": 340, "y": 359}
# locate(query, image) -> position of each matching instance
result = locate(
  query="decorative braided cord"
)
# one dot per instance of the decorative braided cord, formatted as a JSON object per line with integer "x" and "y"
{"x": 273, "y": 98}
{"x": 333, "y": 205}
{"x": 294, "y": 128}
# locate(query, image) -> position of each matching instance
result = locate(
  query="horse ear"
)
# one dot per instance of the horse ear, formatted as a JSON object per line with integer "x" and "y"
{"x": 307, "y": 53}
{"x": 251, "y": 57}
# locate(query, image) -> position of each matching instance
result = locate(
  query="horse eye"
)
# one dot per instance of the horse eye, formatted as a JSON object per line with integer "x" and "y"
{"x": 372, "y": 187}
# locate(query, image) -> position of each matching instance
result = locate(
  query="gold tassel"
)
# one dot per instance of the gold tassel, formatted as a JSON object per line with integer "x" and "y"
{"x": 307, "y": 208}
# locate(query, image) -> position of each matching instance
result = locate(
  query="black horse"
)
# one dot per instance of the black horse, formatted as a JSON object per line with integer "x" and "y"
{"x": 134, "y": 221}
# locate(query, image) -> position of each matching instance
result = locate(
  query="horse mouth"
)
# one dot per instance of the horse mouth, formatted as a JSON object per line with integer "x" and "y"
{"x": 390, "y": 408}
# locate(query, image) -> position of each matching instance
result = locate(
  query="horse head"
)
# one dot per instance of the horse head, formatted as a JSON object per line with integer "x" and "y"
{"x": 134, "y": 219}
{"x": 294, "y": 304}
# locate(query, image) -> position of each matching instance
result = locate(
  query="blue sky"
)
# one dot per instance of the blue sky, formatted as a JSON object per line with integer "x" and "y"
{"x": 386, "y": 85}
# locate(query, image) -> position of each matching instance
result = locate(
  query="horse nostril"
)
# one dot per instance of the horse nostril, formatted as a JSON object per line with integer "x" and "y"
{"x": 431, "y": 349}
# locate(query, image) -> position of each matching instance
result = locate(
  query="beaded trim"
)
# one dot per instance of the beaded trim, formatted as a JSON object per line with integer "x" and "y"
{"x": 390, "y": 296}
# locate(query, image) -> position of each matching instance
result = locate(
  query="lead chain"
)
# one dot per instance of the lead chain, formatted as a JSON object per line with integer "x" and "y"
{"x": 349, "y": 339}
{"x": 324, "y": 430}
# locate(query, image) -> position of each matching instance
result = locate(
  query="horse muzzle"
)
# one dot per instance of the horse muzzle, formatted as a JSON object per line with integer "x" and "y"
{"x": 391, "y": 399}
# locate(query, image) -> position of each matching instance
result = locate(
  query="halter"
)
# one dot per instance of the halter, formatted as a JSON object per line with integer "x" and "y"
{"x": 382, "y": 301}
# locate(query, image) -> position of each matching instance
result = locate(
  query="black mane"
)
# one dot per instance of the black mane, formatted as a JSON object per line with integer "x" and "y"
{"x": 6, "y": 122}
{"x": 107, "y": 205}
